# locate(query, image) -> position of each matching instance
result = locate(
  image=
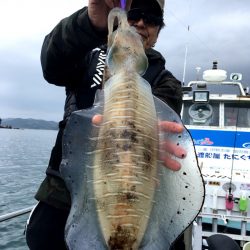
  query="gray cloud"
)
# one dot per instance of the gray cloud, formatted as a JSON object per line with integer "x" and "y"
{"x": 219, "y": 30}
{"x": 24, "y": 92}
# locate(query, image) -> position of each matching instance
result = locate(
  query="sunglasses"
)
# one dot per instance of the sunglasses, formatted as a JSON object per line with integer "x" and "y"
{"x": 149, "y": 19}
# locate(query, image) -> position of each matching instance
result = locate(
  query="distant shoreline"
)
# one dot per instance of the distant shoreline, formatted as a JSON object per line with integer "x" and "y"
{"x": 20, "y": 123}
{"x": 8, "y": 127}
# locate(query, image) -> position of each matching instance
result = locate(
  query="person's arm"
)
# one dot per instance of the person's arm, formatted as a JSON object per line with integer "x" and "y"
{"x": 169, "y": 89}
{"x": 64, "y": 49}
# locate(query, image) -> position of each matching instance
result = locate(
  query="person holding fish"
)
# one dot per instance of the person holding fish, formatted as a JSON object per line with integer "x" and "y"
{"x": 73, "y": 56}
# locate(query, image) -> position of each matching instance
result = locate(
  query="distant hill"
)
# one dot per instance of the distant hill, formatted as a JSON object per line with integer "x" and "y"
{"x": 29, "y": 123}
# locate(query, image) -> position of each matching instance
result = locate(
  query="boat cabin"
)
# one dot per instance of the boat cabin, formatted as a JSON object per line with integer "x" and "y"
{"x": 217, "y": 114}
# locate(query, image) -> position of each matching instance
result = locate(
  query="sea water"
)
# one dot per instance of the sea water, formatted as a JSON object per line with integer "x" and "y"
{"x": 24, "y": 156}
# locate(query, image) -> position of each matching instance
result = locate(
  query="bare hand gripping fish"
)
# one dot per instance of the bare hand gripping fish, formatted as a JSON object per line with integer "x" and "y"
{"x": 122, "y": 195}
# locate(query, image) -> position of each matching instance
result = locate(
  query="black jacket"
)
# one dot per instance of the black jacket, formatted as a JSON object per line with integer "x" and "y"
{"x": 71, "y": 57}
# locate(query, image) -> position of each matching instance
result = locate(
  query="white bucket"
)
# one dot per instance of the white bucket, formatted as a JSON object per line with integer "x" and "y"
{"x": 246, "y": 246}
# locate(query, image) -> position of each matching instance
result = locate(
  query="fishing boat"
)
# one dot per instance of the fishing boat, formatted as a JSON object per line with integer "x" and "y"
{"x": 217, "y": 114}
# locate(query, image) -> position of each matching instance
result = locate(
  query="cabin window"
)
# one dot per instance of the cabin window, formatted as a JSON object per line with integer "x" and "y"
{"x": 237, "y": 114}
{"x": 201, "y": 114}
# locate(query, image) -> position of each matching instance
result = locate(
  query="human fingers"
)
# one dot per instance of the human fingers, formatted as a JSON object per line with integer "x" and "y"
{"x": 97, "y": 119}
{"x": 173, "y": 127}
{"x": 171, "y": 163}
{"x": 173, "y": 149}
{"x": 168, "y": 152}
{"x": 119, "y": 3}
{"x": 109, "y": 4}
{"x": 98, "y": 11}
{"x": 126, "y": 4}
{"x": 113, "y": 3}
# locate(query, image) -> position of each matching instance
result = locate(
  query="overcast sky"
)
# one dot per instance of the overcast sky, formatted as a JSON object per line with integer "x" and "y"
{"x": 218, "y": 30}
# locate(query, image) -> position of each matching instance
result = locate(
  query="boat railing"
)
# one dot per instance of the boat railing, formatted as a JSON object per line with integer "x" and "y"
{"x": 14, "y": 214}
{"x": 202, "y": 84}
{"x": 201, "y": 232}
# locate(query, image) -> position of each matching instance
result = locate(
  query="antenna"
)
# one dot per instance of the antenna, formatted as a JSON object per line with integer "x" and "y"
{"x": 185, "y": 62}
{"x": 186, "y": 47}
{"x": 197, "y": 72}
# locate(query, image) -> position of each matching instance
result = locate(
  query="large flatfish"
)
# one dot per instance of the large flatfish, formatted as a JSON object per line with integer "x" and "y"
{"x": 122, "y": 195}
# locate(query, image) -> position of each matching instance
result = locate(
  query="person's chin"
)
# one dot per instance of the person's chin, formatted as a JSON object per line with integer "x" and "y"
{"x": 145, "y": 45}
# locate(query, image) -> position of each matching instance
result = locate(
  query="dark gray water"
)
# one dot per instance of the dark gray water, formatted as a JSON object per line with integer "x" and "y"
{"x": 24, "y": 156}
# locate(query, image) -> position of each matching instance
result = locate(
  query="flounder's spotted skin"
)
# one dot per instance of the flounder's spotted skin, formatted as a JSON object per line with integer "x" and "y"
{"x": 125, "y": 168}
